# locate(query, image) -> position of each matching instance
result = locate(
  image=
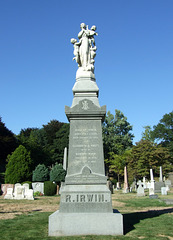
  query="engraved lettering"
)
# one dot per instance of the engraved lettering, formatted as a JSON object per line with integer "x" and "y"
{"x": 82, "y": 198}
{"x": 68, "y": 198}
{"x": 90, "y": 198}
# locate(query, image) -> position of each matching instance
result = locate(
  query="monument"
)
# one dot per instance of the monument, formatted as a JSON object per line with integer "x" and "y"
{"x": 85, "y": 205}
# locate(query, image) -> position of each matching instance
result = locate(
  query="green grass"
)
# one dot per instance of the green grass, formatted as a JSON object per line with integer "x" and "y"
{"x": 148, "y": 225}
{"x": 143, "y": 202}
{"x": 143, "y": 224}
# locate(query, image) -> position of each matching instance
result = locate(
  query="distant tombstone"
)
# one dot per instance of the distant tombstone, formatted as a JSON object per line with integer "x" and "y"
{"x": 4, "y": 188}
{"x": 144, "y": 182}
{"x": 9, "y": 194}
{"x": 38, "y": 187}
{"x": 161, "y": 176}
{"x": 148, "y": 184}
{"x": 164, "y": 191}
{"x": 140, "y": 189}
{"x": 65, "y": 159}
{"x": 118, "y": 187}
{"x": 30, "y": 194}
{"x": 126, "y": 186}
{"x": 170, "y": 177}
{"x": 168, "y": 184}
{"x": 19, "y": 191}
{"x": 151, "y": 191}
{"x": 158, "y": 186}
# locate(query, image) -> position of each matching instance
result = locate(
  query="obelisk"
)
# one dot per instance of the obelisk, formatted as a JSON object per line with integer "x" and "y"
{"x": 85, "y": 205}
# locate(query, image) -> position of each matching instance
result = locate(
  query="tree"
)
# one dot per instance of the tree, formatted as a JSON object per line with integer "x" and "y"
{"x": 147, "y": 134}
{"x": 40, "y": 174}
{"x": 57, "y": 174}
{"x": 35, "y": 141}
{"x": 51, "y": 129}
{"x": 46, "y": 144}
{"x": 60, "y": 142}
{"x": 19, "y": 166}
{"x": 163, "y": 132}
{"x": 117, "y": 136}
{"x": 117, "y": 163}
{"x": 146, "y": 155}
{"x": 8, "y": 143}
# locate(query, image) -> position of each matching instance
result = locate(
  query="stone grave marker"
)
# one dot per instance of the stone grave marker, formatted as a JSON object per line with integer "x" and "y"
{"x": 18, "y": 191}
{"x": 38, "y": 187}
{"x": 4, "y": 188}
{"x": 9, "y": 193}
{"x": 140, "y": 189}
{"x": 164, "y": 191}
{"x": 85, "y": 204}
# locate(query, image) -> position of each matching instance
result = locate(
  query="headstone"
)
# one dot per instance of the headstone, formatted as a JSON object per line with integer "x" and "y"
{"x": 152, "y": 179}
{"x": 118, "y": 187}
{"x": 28, "y": 193}
{"x": 65, "y": 159}
{"x": 158, "y": 186}
{"x": 140, "y": 189}
{"x": 126, "y": 186}
{"x": 161, "y": 176}
{"x": 4, "y": 188}
{"x": 151, "y": 191}
{"x": 85, "y": 205}
{"x": 144, "y": 183}
{"x": 170, "y": 177}
{"x": 164, "y": 191}
{"x": 38, "y": 187}
{"x": 19, "y": 191}
{"x": 9, "y": 193}
{"x": 168, "y": 184}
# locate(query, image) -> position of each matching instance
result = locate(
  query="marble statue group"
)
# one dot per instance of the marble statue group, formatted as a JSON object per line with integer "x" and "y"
{"x": 85, "y": 49}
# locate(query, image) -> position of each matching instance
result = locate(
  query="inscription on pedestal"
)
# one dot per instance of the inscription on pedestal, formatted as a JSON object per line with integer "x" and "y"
{"x": 89, "y": 197}
{"x": 86, "y": 146}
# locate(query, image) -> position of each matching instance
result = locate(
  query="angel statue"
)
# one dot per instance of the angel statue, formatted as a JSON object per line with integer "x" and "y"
{"x": 85, "y": 49}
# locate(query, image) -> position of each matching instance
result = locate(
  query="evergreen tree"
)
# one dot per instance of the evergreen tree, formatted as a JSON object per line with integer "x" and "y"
{"x": 19, "y": 166}
{"x": 57, "y": 174}
{"x": 8, "y": 144}
{"x": 40, "y": 174}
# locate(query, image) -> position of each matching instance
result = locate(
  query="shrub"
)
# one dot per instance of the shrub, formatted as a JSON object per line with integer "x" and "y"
{"x": 57, "y": 174}
{"x": 36, "y": 194}
{"x": 19, "y": 166}
{"x": 40, "y": 174}
{"x": 50, "y": 188}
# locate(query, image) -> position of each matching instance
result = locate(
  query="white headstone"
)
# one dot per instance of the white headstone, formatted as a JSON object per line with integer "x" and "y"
{"x": 163, "y": 190}
{"x": 65, "y": 159}
{"x": 30, "y": 194}
{"x": 140, "y": 189}
{"x": 151, "y": 191}
{"x": 38, "y": 187}
{"x": 161, "y": 176}
{"x": 19, "y": 191}
{"x": 9, "y": 194}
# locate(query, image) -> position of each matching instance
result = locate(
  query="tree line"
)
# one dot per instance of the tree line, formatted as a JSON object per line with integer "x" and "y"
{"x": 45, "y": 146}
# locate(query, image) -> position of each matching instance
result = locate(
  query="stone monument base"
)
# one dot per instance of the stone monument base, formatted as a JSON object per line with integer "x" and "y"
{"x": 70, "y": 224}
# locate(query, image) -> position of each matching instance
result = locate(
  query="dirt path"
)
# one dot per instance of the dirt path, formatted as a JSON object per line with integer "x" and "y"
{"x": 10, "y": 208}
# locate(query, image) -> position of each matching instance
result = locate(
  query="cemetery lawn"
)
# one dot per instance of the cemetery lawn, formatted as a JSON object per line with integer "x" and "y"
{"x": 144, "y": 218}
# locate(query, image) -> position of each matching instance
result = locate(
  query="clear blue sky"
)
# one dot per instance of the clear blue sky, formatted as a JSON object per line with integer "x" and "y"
{"x": 133, "y": 68}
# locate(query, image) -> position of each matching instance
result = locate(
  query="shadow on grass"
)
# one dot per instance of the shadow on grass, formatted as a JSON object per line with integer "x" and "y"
{"x": 130, "y": 219}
